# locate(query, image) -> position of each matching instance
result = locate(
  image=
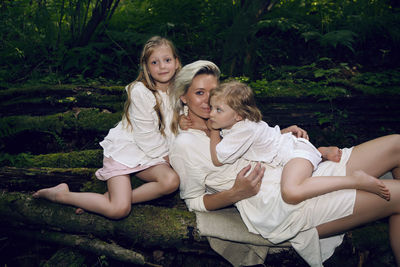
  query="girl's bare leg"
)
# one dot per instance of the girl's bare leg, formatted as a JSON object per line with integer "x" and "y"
{"x": 332, "y": 153}
{"x": 297, "y": 184}
{"x": 368, "y": 208}
{"x": 161, "y": 180}
{"x": 115, "y": 205}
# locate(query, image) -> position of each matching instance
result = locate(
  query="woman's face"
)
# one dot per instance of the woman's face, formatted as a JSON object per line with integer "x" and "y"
{"x": 196, "y": 98}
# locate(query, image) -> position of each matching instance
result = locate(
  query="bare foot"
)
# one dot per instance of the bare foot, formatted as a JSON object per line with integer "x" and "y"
{"x": 371, "y": 184}
{"x": 52, "y": 193}
{"x": 331, "y": 153}
{"x": 79, "y": 211}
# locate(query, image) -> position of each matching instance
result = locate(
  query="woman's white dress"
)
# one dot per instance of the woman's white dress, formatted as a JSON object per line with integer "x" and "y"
{"x": 266, "y": 213}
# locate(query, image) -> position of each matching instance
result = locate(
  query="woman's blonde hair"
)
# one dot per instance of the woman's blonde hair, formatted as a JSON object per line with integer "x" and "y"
{"x": 146, "y": 78}
{"x": 182, "y": 82}
{"x": 240, "y": 98}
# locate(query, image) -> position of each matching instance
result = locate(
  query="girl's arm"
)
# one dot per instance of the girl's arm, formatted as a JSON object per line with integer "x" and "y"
{"x": 215, "y": 138}
{"x": 145, "y": 123}
{"x": 185, "y": 122}
{"x": 244, "y": 187}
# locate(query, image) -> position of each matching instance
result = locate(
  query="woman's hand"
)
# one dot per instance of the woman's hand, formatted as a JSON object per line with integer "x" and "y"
{"x": 244, "y": 187}
{"x": 296, "y": 131}
{"x": 248, "y": 186}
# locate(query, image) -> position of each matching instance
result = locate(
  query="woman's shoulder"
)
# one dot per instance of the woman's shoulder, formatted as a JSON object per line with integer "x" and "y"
{"x": 189, "y": 139}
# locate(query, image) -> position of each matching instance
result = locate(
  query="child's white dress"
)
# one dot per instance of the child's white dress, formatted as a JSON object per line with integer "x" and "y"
{"x": 131, "y": 149}
{"x": 256, "y": 141}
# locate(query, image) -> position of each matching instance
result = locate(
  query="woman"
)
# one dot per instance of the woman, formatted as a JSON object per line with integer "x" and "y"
{"x": 205, "y": 187}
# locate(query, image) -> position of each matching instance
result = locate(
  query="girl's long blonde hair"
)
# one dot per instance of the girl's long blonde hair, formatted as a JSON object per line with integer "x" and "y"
{"x": 182, "y": 82}
{"x": 148, "y": 81}
{"x": 240, "y": 98}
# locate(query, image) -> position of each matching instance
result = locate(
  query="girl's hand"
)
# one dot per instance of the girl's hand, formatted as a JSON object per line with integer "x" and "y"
{"x": 296, "y": 131}
{"x": 185, "y": 122}
{"x": 208, "y": 123}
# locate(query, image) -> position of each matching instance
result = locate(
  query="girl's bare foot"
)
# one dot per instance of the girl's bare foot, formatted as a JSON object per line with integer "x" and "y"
{"x": 79, "y": 211}
{"x": 371, "y": 184}
{"x": 331, "y": 153}
{"x": 52, "y": 193}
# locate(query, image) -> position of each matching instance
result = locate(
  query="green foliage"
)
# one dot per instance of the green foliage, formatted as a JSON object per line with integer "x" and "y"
{"x": 345, "y": 38}
{"x": 19, "y": 160}
{"x": 59, "y": 41}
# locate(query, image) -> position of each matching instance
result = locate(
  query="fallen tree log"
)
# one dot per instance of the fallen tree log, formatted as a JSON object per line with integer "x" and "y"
{"x": 146, "y": 226}
{"x": 32, "y": 179}
{"x": 84, "y": 243}
{"x": 149, "y": 227}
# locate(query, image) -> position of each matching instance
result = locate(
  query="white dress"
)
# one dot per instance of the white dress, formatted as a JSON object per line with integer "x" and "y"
{"x": 266, "y": 213}
{"x": 257, "y": 141}
{"x": 143, "y": 143}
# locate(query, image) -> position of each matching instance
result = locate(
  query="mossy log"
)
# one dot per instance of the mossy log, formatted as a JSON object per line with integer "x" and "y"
{"x": 82, "y": 243}
{"x": 147, "y": 226}
{"x": 49, "y": 99}
{"x": 32, "y": 179}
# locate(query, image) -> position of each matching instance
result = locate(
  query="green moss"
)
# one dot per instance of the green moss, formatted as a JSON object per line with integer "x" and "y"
{"x": 75, "y": 159}
{"x": 83, "y": 119}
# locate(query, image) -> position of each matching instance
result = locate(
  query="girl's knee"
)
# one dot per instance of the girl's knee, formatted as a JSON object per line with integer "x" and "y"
{"x": 119, "y": 212}
{"x": 291, "y": 196}
{"x": 396, "y": 142}
{"x": 170, "y": 182}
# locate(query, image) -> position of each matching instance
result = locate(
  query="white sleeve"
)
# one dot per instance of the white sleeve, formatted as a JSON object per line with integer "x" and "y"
{"x": 192, "y": 178}
{"x": 145, "y": 122}
{"x": 235, "y": 144}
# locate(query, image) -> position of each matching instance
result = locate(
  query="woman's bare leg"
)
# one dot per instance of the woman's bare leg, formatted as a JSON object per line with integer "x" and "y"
{"x": 368, "y": 208}
{"x": 376, "y": 157}
{"x": 160, "y": 180}
{"x": 297, "y": 184}
{"x": 115, "y": 205}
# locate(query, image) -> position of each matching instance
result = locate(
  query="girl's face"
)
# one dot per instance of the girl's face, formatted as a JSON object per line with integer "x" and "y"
{"x": 196, "y": 98}
{"x": 222, "y": 116}
{"x": 162, "y": 66}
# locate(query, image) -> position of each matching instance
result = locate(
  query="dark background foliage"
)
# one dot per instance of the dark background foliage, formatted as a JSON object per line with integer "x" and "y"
{"x": 66, "y": 41}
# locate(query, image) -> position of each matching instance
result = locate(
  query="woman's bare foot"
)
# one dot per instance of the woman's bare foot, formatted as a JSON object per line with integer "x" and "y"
{"x": 52, "y": 193}
{"x": 331, "y": 153}
{"x": 371, "y": 184}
